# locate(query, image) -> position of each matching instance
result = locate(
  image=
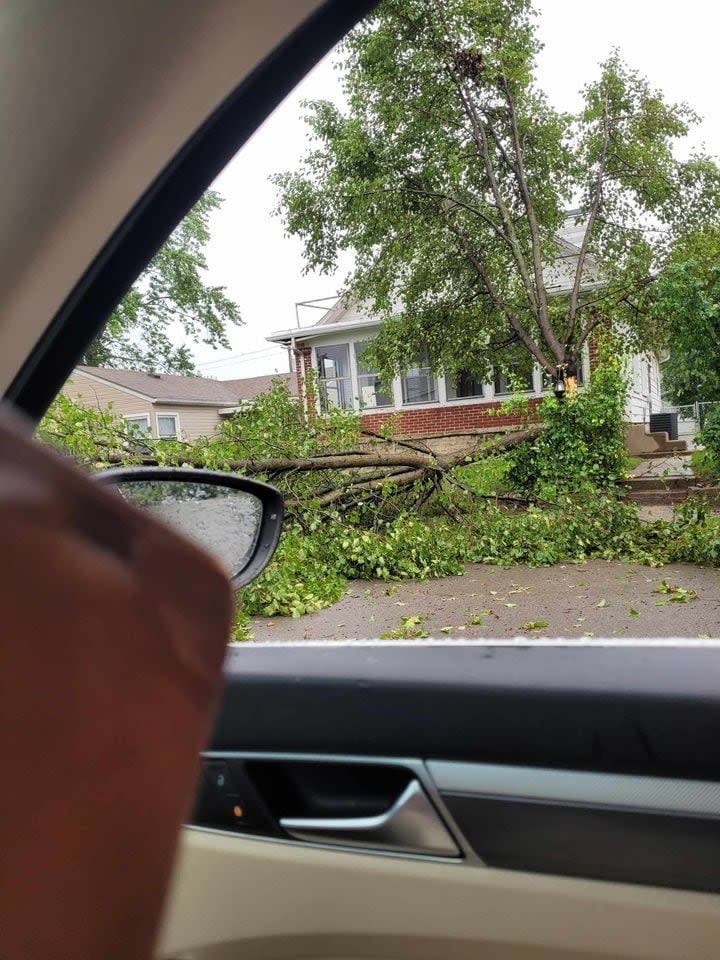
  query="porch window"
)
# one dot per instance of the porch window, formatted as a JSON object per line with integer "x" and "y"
{"x": 334, "y": 373}
{"x": 418, "y": 384}
{"x": 464, "y": 384}
{"x": 513, "y": 382}
{"x": 372, "y": 392}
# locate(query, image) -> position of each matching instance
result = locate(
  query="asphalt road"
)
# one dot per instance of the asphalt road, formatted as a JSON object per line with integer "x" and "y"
{"x": 596, "y": 599}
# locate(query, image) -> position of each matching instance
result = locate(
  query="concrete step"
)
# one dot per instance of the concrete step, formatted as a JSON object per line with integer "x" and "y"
{"x": 663, "y": 441}
{"x": 651, "y": 496}
{"x": 640, "y": 440}
{"x": 663, "y": 454}
{"x": 660, "y": 483}
{"x": 656, "y": 497}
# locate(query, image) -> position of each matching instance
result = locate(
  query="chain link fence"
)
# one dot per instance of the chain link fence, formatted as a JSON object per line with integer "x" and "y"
{"x": 691, "y": 417}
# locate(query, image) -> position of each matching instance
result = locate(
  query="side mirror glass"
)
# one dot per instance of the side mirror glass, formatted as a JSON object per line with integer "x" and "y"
{"x": 236, "y": 519}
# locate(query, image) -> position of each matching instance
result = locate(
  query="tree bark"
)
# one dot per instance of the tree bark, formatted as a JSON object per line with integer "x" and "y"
{"x": 363, "y": 472}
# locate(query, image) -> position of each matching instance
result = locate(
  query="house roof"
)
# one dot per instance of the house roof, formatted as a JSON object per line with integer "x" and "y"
{"x": 167, "y": 387}
{"x": 559, "y": 279}
{"x": 321, "y": 330}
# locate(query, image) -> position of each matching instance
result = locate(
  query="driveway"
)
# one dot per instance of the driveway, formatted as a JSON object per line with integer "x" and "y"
{"x": 590, "y": 599}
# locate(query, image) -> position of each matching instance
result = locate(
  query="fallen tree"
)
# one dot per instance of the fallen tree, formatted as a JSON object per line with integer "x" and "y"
{"x": 322, "y": 463}
{"x": 379, "y": 469}
{"x": 372, "y": 506}
{"x": 330, "y": 462}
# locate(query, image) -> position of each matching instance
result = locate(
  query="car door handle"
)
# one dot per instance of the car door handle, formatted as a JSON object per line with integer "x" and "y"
{"x": 411, "y": 825}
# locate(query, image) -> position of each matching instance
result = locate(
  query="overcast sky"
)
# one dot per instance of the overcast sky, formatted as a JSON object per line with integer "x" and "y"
{"x": 674, "y": 44}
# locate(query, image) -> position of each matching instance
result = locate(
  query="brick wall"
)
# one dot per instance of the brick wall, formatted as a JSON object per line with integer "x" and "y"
{"x": 593, "y": 352}
{"x": 303, "y": 363}
{"x": 447, "y": 420}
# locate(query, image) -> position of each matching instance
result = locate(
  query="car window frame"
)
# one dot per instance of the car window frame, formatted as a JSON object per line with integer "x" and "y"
{"x": 173, "y": 193}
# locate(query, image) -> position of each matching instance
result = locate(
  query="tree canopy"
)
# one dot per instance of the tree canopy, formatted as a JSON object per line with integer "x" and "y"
{"x": 449, "y": 173}
{"x": 171, "y": 297}
{"x": 688, "y": 300}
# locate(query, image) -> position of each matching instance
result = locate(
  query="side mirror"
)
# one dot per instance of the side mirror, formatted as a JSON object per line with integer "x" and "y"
{"x": 236, "y": 519}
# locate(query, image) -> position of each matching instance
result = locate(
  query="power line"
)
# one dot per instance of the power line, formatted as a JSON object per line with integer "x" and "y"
{"x": 218, "y": 369}
{"x": 237, "y": 363}
{"x": 238, "y": 357}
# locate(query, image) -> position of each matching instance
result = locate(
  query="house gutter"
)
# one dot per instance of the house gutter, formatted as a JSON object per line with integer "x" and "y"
{"x": 310, "y": 333}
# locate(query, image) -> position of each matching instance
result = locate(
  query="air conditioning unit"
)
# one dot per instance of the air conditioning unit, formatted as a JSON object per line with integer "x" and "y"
{"x": 664, "y": 423}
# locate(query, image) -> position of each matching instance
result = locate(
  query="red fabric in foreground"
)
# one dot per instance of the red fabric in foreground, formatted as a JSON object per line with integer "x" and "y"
{"x": 112, "y": 638}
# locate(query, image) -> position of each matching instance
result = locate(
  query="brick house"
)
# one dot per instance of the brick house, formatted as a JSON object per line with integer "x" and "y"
{"x": 428, "y": 405}
{"x": 166, "y": 406}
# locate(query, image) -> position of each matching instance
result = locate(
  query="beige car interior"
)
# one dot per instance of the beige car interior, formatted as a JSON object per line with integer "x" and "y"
{"x": 246, "y": 898}
{"x": 89, "y": 137}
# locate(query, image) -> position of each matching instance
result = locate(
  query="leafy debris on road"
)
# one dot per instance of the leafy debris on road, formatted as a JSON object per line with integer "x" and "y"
{"x": 675, "y": 594}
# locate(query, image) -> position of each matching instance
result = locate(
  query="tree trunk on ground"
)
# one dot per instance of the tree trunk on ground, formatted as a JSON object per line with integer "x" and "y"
{"x": 368, "y": 472}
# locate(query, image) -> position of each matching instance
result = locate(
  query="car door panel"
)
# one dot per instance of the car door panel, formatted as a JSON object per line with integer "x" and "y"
{"x": 235, "y": 898}
{"x": 576, "y": 781}
{"x": 633, "y": 708}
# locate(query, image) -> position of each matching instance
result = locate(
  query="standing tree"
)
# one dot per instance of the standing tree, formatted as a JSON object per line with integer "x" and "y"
{"x": 448, "y": 176}
{"x": 688, "y": 299}
{"x": 170, "y": 293}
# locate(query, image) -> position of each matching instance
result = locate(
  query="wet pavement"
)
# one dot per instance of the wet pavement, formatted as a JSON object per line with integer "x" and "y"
{"x": 592, "y": 599}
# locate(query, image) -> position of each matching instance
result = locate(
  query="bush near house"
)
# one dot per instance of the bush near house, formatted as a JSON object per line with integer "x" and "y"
{"x": 583, "y": 444}
{"x": 706, "y": 462}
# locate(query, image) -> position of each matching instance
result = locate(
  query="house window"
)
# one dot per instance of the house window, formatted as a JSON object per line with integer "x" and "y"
{"x": 372, "y": 392}
{"x": 418, "y": 384}
{"x": 167, "y": 426}
{"x": 462, "y": 385}
{"x": 138, "y": 426}
{"x": 333, "y": 365}
{"x": 516, "y": 381}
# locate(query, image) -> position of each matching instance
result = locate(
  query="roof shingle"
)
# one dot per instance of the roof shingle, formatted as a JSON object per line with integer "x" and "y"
{"x": 167, "y": 386}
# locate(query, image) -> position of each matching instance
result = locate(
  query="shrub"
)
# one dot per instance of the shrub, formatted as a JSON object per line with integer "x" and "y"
{"x": 299, "y": 579}
{"x": 403, "y": 549}
{"x": 487, "y": 477}
{"x": 704, "y": 465}
{"x": 576, "y": 529}
{"x": 707, "y": 461}
{"x": 583, "y": 444}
